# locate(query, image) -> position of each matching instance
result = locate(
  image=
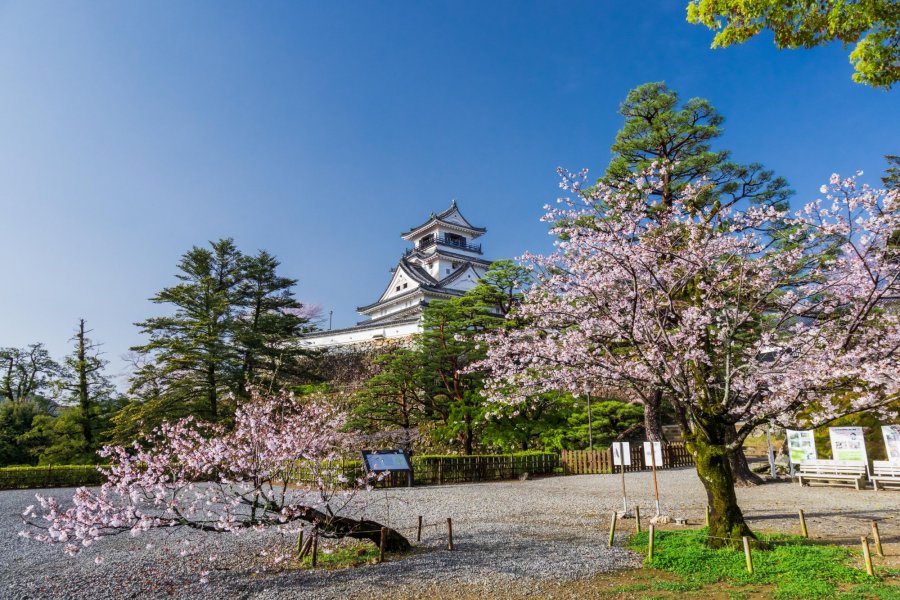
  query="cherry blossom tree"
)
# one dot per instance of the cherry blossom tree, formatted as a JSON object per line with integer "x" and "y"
{"x": 203, "y": 477}
{"x": 740, "y": 313}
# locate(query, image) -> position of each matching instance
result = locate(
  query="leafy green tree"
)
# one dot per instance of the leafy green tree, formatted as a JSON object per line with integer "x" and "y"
{"x": 85, "y": 385}
{"x": 28, "y": 379}
{"x": 235, "y": 323}
{"x": 394, "y": 398}
{"x": 27, "y": 373}
{"x": 873, "y": 25}
{"x": 267, "y": 316}
{"x": 448, "y": 346}
{"x": 17, "y": 418}
{"x": 192, "y": 347}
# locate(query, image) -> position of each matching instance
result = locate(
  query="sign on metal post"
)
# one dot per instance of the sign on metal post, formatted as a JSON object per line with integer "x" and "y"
{"x": 380, "y": 461}
{"x": 621, "y": 450}
{"x": 653, "y": 457}
{"x": 622, "y": 457}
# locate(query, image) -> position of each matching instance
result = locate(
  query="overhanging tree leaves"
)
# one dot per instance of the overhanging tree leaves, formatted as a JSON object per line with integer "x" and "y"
{"x": 873, "y": 25}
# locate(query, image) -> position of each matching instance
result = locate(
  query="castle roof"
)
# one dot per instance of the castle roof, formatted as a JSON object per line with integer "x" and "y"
{"x": 451, "y": 218}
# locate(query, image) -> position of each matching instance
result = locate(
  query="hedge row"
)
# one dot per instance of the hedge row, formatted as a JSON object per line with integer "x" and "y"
{"x": 428, "y": 470}
{"x": 20, "y": 478}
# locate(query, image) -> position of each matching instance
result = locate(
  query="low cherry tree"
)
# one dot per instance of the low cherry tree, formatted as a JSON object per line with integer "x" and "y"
{"x": 203, "y": 477}
{"x": 741, "y": 314}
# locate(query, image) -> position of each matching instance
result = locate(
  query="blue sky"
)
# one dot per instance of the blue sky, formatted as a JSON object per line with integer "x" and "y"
{"x": 319, "y": 131}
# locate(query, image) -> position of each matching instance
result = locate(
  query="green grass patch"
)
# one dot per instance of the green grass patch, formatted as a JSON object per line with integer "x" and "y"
{"x": 343, "y": 556}
{"x": 795, "y": 567}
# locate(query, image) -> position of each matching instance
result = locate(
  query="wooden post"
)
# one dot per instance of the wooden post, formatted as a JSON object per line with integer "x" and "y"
{"x": 653, "y": 466}
{"x": 612, "y": 529}
{"x": 803, "y": 531}
{"x": 878, "y": 549}
{"x": 637, "y": 518}
{"x": 315, "y": 548}
{"x": 650, "y": 543}
{"x": 867, "y": 556}
{"x": 747, "y": 554}
{"x": 381, "y": 544}
{"x": 299, "y": 544}
{"x": 306, "y": 548}
{"x": 707, "y": 515}
{"x": 419, "y": 530}
{"x": 449, "y": 533}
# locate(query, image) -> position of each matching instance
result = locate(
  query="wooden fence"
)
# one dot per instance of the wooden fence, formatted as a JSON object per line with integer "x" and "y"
{"x": 584, "y": 462}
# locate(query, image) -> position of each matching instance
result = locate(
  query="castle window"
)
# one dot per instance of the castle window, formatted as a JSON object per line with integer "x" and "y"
{"x": 404, "y": 286}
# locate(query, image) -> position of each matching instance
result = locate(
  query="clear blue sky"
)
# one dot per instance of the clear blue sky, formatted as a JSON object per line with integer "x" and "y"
{"x": 320, "y": 131}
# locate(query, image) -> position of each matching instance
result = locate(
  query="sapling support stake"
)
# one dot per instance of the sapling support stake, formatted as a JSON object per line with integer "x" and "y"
{"x": 419, "y": 530}
{"x": 637, "y": 518}
{"x": 866, "y": 556}
{"x": 803, "y": 531}
{"x": 877, "y": 536}
{"x": 449, "y": 533}
{"x": 747, "y": 555}
{"x": 612, "y": 529}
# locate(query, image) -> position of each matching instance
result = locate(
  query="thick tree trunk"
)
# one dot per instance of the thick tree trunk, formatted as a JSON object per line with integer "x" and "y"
{"x": 740, "y": 469}
{"x": 652, "y": 417}
{"x": 707, "y": 445}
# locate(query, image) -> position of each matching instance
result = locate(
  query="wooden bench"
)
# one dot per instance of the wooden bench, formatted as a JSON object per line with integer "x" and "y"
{"x": 832, "y": 470}
{"x": 885, "y": 472}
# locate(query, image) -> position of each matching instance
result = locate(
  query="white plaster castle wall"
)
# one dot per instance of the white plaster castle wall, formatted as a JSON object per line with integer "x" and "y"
{"x": 341, "y": 338}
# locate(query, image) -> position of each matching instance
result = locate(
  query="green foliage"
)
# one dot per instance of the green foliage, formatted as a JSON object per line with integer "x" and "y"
{"x": 234, "y": 323}
{"x": 873, "y": 25}
{"x": 394, "y": 398}
{"x": 343, "y": 556}
{"x": 659, "y": 130}
{"x": 797, "y": 568}
{"x": 12, "y": 478}
{"x": 16, "y": 419}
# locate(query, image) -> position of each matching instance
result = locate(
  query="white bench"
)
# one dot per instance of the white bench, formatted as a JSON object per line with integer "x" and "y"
{"x": 832, "y": 470}
{"x": 885, "y": 472}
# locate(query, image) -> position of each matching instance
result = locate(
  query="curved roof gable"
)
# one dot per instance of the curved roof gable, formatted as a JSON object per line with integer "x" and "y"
{"x": 452, "y": 217}
{"x": 416, "y": 274}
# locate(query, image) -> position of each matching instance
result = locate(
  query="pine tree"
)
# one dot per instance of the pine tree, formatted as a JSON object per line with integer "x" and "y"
{"x": 658, "y": 131}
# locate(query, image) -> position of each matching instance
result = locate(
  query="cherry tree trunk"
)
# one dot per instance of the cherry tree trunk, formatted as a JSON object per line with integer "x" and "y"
{"x": 740, "y": 469}
{"x": 652, "y": 417}
{"x": 707, "y": 445}
{"x": 360, "y": 529}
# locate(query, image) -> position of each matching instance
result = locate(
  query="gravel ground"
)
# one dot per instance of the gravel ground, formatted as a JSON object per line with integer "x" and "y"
{"x": 506, "y": 535}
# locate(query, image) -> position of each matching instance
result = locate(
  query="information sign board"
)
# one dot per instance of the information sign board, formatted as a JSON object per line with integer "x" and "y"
{"x": 848, "y": 443}
{"x": 621, "y": 449}
{"x": 657, "y": 454}
{"x": 801, "y": 446}
{"x": 891, "y": 435}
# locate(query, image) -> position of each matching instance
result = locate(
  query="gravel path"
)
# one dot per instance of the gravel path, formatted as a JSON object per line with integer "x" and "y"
{"x": 506, "y": 535}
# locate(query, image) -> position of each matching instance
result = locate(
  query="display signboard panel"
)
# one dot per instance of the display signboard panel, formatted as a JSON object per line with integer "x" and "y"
{"x": 620, "y": 450}
{"x": 386, "y": 460}
{"x": 891, "y": 435}
{"x": 657, "y": 454}
{"x": 848, "y": 444}
{"x": 801, "y": 446}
